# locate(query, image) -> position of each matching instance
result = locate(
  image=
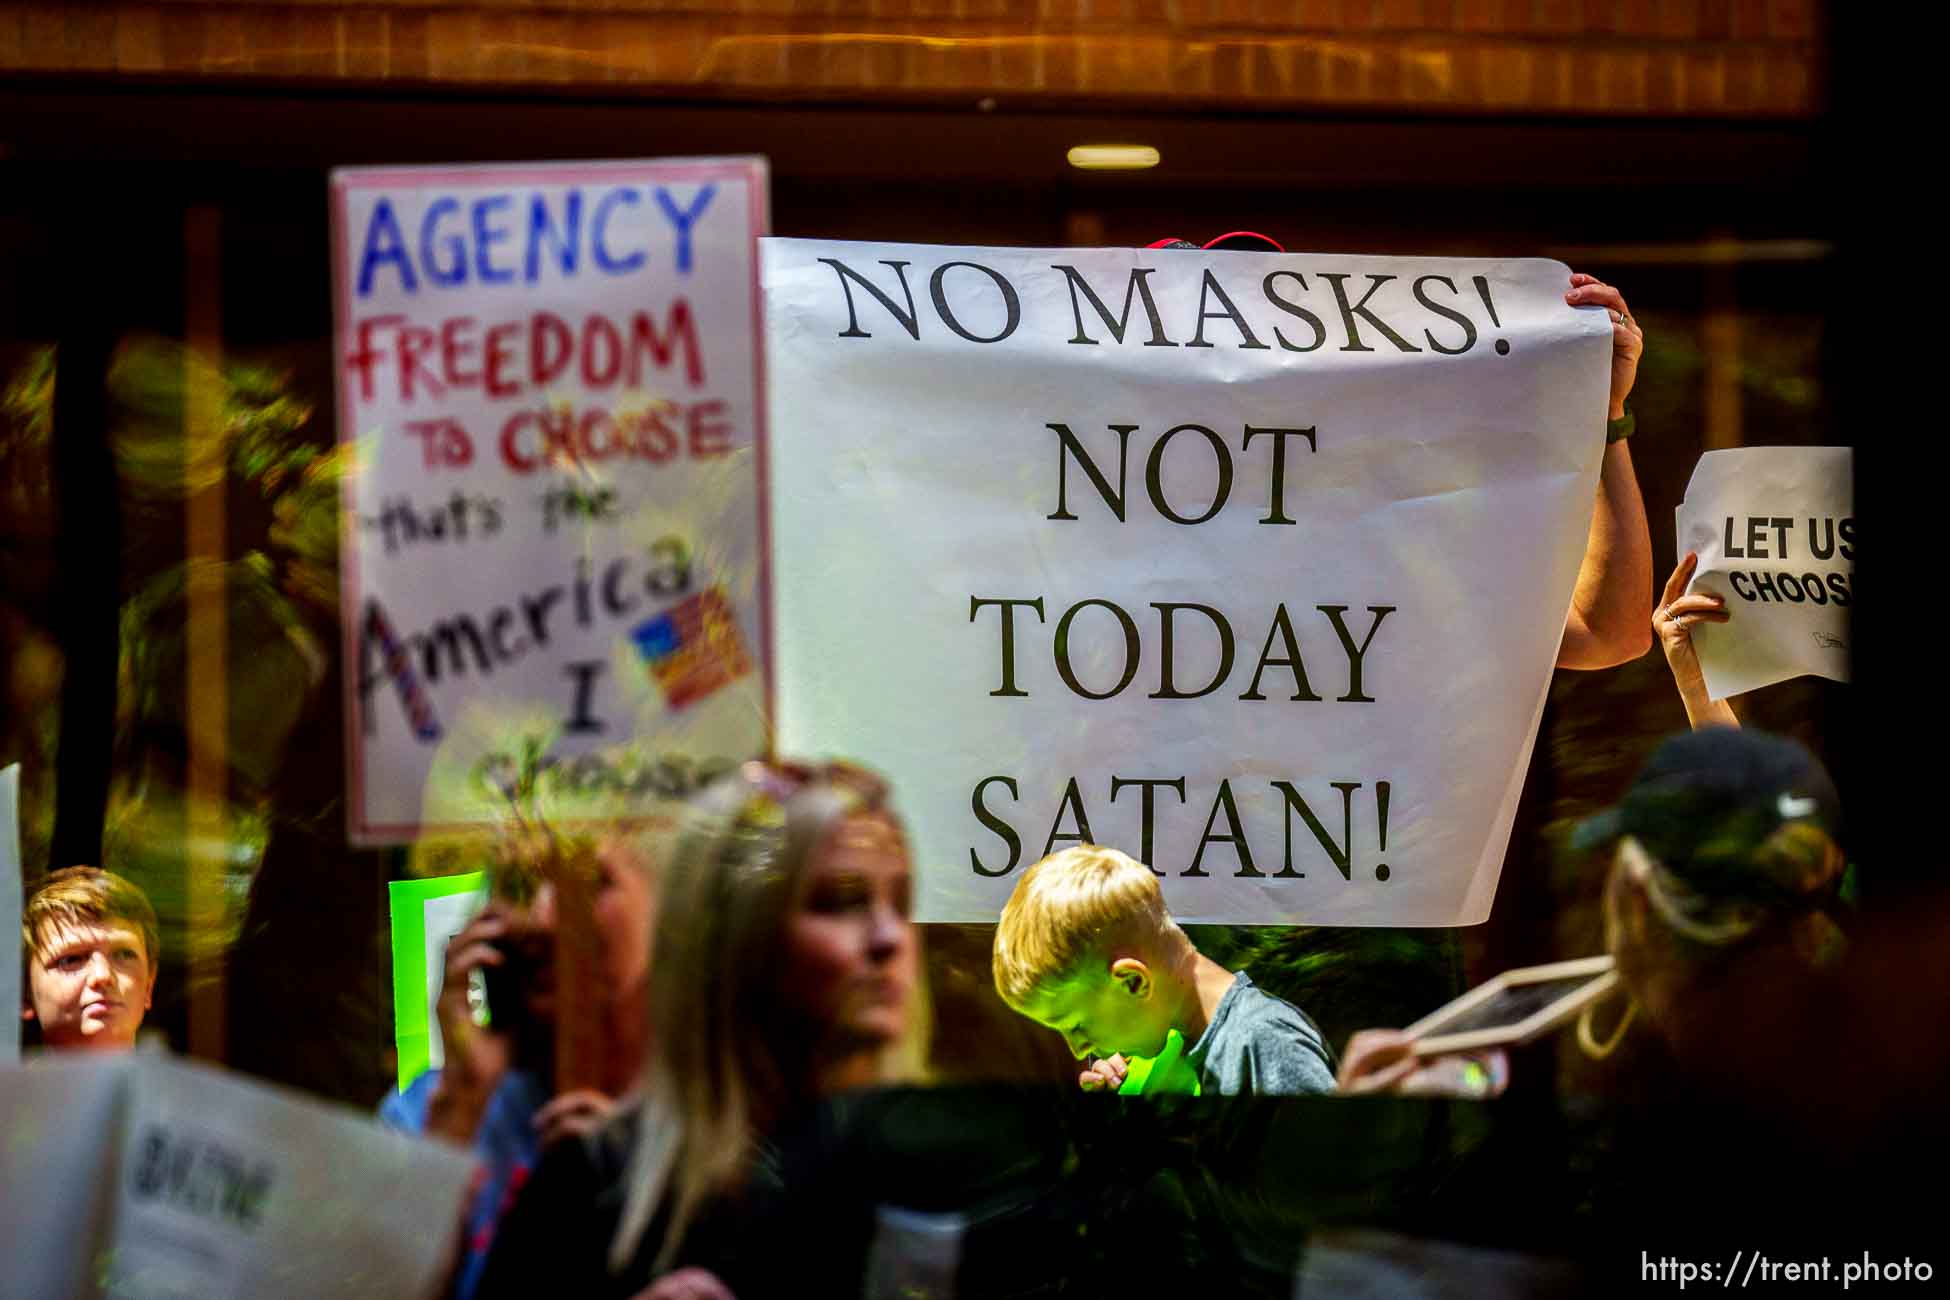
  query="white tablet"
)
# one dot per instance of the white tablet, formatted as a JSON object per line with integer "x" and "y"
{"x": 1515, "y": 1007}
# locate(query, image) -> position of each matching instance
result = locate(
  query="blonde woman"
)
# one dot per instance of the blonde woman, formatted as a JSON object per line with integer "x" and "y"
{"x": 786, "y": 972}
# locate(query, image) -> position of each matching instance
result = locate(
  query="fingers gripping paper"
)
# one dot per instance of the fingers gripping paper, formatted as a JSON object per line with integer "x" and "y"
{"x": 1255, "y": 566}
{"x": 1775, "y": 531}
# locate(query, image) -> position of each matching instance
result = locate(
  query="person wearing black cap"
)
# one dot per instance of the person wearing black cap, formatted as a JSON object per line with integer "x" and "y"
{"x": 1759, "y": 1103}
{"x": 1609, "y": 622}
{"x": 1725, "y": 881}
{"x": 1723, "y": 912}
{"x": 1795, "y": 1058}
{"x": 1724, "y": 900}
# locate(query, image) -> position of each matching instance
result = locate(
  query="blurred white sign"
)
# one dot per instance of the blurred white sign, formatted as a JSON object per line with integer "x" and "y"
{"x": 139, "y": 1175}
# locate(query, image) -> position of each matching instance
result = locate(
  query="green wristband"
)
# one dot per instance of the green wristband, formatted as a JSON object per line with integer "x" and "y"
{"x": 1622, "y": 428}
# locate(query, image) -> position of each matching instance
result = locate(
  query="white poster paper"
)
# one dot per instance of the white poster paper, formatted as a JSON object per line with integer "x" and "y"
{"x": 59, "y": 1120}
{"x": 12, "y": 896}
{"x": 551, "y": 543}
{"x": 178, "y": 1180}
{"x": 1252, "y": 565}
{"x": 1775, "y": 531}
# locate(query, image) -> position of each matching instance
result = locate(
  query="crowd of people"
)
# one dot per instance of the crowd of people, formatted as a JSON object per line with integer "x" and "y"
{"x": 746, "y": 980}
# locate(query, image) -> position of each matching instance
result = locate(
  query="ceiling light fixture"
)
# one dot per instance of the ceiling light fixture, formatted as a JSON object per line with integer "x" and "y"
{"x": 1113, "y": 157}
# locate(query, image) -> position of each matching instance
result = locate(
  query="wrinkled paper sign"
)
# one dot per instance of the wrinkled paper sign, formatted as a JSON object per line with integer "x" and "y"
{"x": 1254, "y": 566}
{"x": 1775, "y": 531}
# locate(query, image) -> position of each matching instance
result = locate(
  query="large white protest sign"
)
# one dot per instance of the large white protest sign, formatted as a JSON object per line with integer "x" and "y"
{"x": 1775, "y": 531}
{"x": 1255, "y": 566}
{"x": 11, "y": 898}
{"x": 152, "y": 1177}
{"x": 551, "y": 542}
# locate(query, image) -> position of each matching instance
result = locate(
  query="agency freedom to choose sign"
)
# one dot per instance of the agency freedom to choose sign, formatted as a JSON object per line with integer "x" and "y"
{"x": 1255, "y": 566}
{"x": 551, "y": 542}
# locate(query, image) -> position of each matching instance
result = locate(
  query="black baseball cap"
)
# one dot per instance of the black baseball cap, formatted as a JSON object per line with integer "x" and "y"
{"x": 1707, "y": 800}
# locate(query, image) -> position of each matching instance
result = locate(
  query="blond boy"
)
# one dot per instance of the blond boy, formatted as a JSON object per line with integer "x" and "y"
{"x": 89, "y": 937}
{"x": 1086, "y": 947}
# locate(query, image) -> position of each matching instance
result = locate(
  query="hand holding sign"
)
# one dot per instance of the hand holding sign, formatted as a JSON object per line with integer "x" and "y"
{"x": 1678, "y": 612}
{"x": 1774, "y": 529}
{"x": 1627, "y": 338}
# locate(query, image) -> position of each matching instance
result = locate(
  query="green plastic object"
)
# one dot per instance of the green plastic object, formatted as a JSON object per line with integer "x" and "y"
{"x": 1166, "y": 1073}
{"x": 412, "y": 995}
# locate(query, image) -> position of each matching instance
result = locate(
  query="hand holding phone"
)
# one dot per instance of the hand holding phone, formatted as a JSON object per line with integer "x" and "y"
{"x": 1517, "y": 1007}
{"x": 1457, "y": 1050}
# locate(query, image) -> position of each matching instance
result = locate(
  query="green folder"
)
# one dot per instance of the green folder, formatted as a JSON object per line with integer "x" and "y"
{"x": 412, "y": 1031}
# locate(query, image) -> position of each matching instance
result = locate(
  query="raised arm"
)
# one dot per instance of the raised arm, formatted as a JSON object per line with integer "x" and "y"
{"x": 1673, "y": 621}
{"x": 1611, "y": 607}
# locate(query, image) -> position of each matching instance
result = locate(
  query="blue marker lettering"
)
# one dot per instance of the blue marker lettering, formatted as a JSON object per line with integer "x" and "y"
{"x": 485, "y": 237}
{"x": 451, "y": 270}
{"x": 684, "y": 220}
{"x": 566, "y": 241}
{"x": 599, "y": 236}
{"x": 384, "y": 243}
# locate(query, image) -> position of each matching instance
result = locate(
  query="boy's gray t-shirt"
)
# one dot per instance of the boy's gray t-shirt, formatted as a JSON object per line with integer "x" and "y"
{"x": 1258, "y": 1045}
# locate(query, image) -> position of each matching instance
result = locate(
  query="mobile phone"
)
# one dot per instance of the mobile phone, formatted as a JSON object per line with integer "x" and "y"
{"x": 506, "y": 984}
